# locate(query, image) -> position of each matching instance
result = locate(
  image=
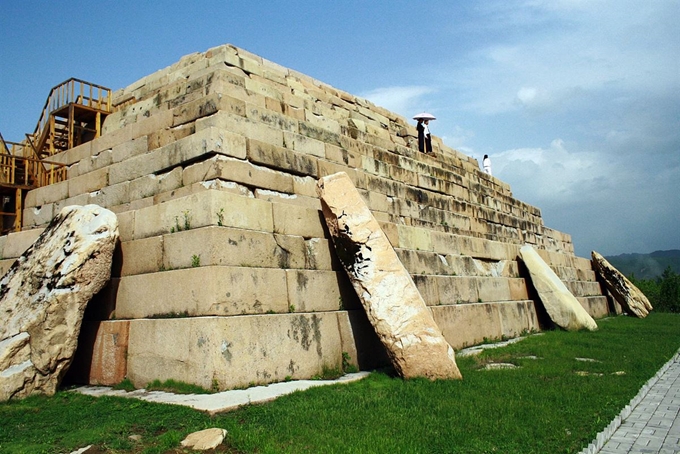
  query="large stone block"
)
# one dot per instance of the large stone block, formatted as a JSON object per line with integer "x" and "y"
{"x": 16, "y": 243}
{"x": 156, "y": 122}
{"x": 141, "y": 256}
{"x": 246, "y": 173}
{"x": 457, "y": 289}
{"x": 304, "y": 144}
{"x": 298, "y": 220}
{"x": 229, "y": 352}
{"x": 271, "y": 118}
{"x": 202, "y": 143}
{"x": 234, "y": 247}
{"x": 211, "y": 207}
{"x": 243, "y": 126}
{"x": 129, "y": 149}
{"x": 596, "y": 306}
{"x": 198, "y": 108}
{"x": 494, "y": 289}
{"x": 428, "y": 289}
{"x": 89, "y": 182}
{"x": 152, "y": 185}
{"x": 518, "y": 318}
{"x": 281, "y": 158}
{"x": 468, "y": 324}
{"x": 414, "y": 238}
{"x": 203, "y": 291}
{"x": 90, "y": 164}
{"x": 38, "y": 216}
{"x": 316, "y": 291}
{"x": 111, "y": 139}
{"x": 112, "y": 195}
{"x": 46, "y": 194}
{"x": 101, "y": 358}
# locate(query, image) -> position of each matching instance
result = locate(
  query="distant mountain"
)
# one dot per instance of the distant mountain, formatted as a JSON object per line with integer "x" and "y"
{"x": 646, "y": 266}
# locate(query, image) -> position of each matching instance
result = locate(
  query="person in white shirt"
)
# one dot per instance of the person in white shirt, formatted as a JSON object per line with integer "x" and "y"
{"x": 428, "y": 137}
{"x": 486, "y": 163}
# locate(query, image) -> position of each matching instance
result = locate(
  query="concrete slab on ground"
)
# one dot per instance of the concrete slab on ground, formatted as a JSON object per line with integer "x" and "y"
{"x": 222, "y": 401}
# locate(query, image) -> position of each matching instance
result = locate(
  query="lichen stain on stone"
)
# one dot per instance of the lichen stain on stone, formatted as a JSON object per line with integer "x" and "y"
{"x": 302, "y": 280}
{"x": 283, "y": 256}
{"x": 224, "y": 349}
{"x": 201, "y": 342}
{"x": 266, "y": 376}
{"x": 307, "y": 330}
{"x": 291, "y": 367}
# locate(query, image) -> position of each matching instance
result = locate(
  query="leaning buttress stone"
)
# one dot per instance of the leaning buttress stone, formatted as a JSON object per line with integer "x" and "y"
{"x": 633, "y": 301}
{"x": 562, "y": 307}
{"x": 44, "y": 294}
{"x": 395, "y": 308}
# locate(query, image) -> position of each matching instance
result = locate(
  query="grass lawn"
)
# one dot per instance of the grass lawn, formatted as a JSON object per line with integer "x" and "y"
{"x": 552, "y": 403}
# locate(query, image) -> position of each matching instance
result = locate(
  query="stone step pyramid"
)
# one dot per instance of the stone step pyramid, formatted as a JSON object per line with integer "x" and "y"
{"x": 226, "y": 276}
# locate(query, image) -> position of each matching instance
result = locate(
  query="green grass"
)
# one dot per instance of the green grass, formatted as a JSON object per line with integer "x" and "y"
{"x": 176, "y": 387}
{"x": 541, "y": 407}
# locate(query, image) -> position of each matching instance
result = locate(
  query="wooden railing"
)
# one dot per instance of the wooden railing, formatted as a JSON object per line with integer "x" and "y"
{"x": 71, "y": 91}
{"x": 30, "y": 172}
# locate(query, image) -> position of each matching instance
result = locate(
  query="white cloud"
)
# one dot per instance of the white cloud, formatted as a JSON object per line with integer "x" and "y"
{"x": 404, "y": 100}
{"x": 551, "y": 175}
{"x": 566, "y": 47}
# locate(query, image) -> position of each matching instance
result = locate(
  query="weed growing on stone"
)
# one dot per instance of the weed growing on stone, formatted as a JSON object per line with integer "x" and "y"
{"x": 125, "y": 385}
{"x": 187, "y": 219}
{"x": 347, "y": 366}
{"x": 220, "y": 217}
{"x": 186, "y": 224}
{"x": 328, "y": 373}
{"x": 176, "y": 387}
{"x": 195, "y": 261}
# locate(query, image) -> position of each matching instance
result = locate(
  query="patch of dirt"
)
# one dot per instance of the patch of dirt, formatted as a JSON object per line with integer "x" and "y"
{"x": 221, "y": 449}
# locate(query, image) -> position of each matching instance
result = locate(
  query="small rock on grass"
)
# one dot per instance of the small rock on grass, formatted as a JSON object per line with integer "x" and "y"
{"x": 205, "y": 439}
{"x": 496, "y": 366}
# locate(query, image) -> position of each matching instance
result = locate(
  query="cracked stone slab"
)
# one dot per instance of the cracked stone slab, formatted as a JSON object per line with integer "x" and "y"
{"x": 562, "y": 307}
{"x": 44, "y": 294}
{"x": 395, "y": 308}
{"x": 631, "y": 299}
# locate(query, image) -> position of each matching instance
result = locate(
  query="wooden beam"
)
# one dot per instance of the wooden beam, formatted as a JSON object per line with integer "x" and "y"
{"x": 18, "y": 204}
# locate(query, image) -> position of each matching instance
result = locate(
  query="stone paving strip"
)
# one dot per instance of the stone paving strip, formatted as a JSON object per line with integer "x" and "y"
{"x": 222, "y": 401}
{"x": 650, "y": 423}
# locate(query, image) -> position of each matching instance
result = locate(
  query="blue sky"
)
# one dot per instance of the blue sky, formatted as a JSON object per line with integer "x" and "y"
{"x": 577, "y": 102}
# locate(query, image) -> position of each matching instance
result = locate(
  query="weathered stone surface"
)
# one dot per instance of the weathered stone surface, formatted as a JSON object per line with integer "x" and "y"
{"x": 231, "y": 352}
{"x": 562, "y": 307}
{"x": 44, "y": 294}
{"x": 204, "y": 439}
{"x": 396, "y": 310}
{"x": 633, "y": 301}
